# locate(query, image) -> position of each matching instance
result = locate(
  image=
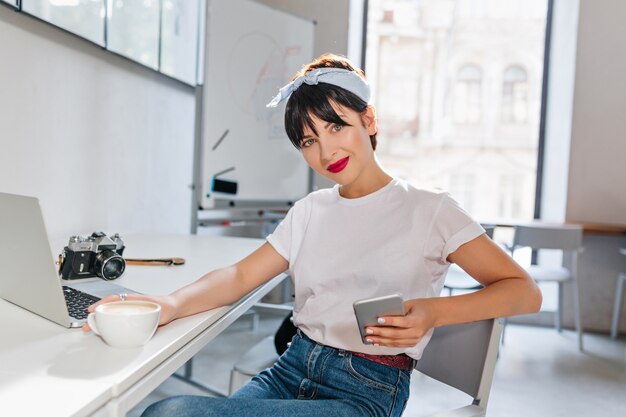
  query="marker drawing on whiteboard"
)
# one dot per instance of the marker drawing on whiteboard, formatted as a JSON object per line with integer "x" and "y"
{"x": 223, "y": 172}
{"x": 220, "y": 139}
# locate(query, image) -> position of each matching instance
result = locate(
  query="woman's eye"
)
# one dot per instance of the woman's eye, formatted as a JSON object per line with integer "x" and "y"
{"x": 337, "y": 128}
{"x": 307, "y": 143}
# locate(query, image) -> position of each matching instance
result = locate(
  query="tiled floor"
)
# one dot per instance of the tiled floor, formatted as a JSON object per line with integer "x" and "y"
{"x": 540, "y": 373}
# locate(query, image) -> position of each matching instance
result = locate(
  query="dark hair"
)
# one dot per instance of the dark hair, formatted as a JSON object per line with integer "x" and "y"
{"x": 314, "y": 100}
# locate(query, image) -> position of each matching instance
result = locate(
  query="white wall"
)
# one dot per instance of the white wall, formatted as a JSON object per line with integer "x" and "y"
{"x": 597, "y": 174}
{"x": 104, "y": 143}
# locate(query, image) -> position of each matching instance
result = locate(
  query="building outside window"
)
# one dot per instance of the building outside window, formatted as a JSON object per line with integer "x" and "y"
{"x": 457, "y": 85}
{"x": 515, "y": 95}
{"x": 467, "y": 95}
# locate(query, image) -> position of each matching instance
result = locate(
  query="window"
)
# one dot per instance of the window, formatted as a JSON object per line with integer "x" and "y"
{"x": 510, "y": 204}
{"x": 462, "y": 188}
{"x": 467, "y": 95}
{"x": 457, "y": 86}
{"x": 515, "y": 95}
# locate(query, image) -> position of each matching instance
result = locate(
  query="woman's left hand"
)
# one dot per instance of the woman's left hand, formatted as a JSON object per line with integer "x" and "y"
{"x": 403, "y": 331}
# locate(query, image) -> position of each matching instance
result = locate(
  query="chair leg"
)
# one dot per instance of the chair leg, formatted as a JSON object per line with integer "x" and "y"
{"x": 231, "y": 382}
{"x": 617, "y": 304}
{"x": 558, "y": 317}
{"x": 188, "y": 368}
{"x": 577, "y": 317}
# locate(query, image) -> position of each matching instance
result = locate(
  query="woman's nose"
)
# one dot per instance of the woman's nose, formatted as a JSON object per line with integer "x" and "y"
{"x": 328, "y": 150}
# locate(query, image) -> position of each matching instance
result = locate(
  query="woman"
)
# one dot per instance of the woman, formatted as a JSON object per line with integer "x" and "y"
{"x": 371, "y": 235}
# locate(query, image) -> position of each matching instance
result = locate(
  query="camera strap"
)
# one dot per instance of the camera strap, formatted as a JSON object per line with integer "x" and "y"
{"x": 156, "y": 262}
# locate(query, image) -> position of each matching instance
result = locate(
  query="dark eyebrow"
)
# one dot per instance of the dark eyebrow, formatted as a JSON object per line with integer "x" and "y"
{"x": 341, "y": 116}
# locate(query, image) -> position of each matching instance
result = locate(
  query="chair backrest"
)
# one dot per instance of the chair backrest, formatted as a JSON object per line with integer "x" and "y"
{"x": 564, "y": 237}
{"x": 464, "y": 357}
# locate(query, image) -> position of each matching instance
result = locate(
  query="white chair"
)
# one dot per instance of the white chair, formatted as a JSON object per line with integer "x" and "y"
{"x": 464, "y": 356}
{"x": 458, "y": 279}
{"x": 568, "y": 239}
{"x": 260, "y": 357}
{"x": 619, "y": 298}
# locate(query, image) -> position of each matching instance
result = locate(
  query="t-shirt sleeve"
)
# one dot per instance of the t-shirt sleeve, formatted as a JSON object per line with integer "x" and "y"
{"x": 287, "y": 236}
{"x": 453, "y": 227}
{"x": 280, "y": 238}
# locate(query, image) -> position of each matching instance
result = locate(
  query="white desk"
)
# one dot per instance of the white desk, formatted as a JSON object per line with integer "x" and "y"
{"x": 48, "y": 370}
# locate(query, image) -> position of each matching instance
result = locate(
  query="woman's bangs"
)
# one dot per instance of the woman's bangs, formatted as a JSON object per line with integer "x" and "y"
{"x": 315, "y": 101}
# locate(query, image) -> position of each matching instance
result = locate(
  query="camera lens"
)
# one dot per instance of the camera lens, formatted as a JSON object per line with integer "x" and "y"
{"x": 109, "y": 265}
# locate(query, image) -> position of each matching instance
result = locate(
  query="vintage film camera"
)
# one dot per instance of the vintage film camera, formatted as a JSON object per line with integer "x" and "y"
{"x": 94, "y": 256}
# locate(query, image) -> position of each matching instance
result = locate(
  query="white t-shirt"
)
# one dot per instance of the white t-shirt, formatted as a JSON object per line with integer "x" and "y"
{"x": 340, "y": 250}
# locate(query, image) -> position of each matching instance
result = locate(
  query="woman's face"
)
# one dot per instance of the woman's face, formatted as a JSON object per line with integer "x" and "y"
{"x": 341, "y": 153}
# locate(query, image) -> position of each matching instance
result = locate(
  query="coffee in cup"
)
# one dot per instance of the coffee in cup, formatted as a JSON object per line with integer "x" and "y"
{"x": 125, "y": 324}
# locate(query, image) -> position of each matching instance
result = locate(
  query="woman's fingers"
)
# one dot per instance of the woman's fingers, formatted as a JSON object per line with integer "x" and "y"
{"x": 111, "y": 298}
{"x": 394, "y": 336}
{"x": 117, "y": 297}
{"x": 397, "y": 343}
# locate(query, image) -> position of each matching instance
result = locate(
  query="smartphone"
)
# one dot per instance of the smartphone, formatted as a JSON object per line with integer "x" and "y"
{"x": 368, "y": 311}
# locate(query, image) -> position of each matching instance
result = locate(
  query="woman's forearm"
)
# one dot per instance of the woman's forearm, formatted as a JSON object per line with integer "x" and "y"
{"x": 215, "y": 289}
{"x": 226, "y": 285}
{"x": 507, "y": 297}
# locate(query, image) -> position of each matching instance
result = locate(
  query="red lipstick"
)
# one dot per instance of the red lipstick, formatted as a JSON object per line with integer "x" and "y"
{"x": 339, "y": 165}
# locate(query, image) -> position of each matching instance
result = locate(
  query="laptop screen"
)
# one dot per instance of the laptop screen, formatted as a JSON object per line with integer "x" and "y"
{"x": 28, "y": 277}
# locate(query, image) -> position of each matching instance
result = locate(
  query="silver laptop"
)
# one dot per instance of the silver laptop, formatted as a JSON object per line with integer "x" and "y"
{"x": 28, "y": 277}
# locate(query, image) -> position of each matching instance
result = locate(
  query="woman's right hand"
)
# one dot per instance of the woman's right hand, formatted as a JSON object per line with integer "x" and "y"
{"x": 168, "y": 306}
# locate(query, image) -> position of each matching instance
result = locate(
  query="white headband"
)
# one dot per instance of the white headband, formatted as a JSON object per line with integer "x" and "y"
{"x": 340, "y": 77}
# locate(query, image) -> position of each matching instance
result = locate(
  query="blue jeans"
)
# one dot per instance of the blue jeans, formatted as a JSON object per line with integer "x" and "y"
{"x": 339, "y": 384}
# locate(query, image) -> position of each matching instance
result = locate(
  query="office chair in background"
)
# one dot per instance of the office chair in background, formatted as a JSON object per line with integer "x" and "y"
{"x": 262, "y": 355}
{"x": 619, "y": 298}
{"x": 566, "y": 238}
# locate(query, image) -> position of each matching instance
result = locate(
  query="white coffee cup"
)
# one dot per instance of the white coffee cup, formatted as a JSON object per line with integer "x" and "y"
{"x": 125, "y": 324}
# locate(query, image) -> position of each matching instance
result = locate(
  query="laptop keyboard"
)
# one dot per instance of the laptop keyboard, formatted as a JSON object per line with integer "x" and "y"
{"x": 77, "y": 302}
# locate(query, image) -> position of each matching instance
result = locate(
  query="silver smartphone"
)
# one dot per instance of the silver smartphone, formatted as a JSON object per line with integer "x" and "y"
{"x": 368, "y": 311}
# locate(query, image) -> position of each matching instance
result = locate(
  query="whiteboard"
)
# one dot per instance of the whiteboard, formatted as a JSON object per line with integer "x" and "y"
{"x": 252, "y": 51}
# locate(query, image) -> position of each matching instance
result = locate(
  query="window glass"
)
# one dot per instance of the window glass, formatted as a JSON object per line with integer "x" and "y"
{"x": 179, "y": 39}
{"x": 515, "y": 95}
{"x": 84, "y": 18}
{"x": 133, "y": 30}
{"x": 467, "y": 95}
{"x": 457, "y": 86}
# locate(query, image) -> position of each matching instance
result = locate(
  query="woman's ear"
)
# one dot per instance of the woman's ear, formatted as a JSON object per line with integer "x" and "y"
{"x": 368, "y": 117}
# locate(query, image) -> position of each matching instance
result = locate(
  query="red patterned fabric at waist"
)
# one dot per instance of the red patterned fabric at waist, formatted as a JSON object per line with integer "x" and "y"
{"x": 401, "y": 361}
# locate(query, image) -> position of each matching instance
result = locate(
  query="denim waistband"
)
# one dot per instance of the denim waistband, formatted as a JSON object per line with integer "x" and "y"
{"x": 401, "y": 361}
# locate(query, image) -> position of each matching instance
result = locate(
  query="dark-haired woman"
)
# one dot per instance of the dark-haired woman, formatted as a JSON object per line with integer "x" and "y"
{"x": 370, "y": 235}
